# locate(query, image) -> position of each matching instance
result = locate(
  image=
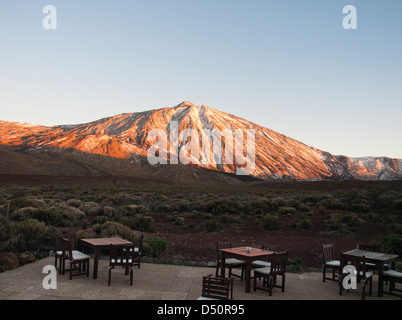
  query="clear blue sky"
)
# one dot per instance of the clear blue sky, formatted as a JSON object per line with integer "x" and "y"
{"x": 287, "y": 65}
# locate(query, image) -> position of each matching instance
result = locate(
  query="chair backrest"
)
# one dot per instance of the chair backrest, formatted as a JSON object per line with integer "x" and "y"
{"x": 328, "y": 252}
{"x": 278, "y": 262}
{"x": 359, "y": 263}
{"x": 222, "y": 245}
{"x": 369, "y": 247}
{"x": 66, "y": 248}
{"x": 70, "y": 236}
{"x": 120, "y": 255}
{"x": 217, "y": 288}
{"x": 270, "y": 248}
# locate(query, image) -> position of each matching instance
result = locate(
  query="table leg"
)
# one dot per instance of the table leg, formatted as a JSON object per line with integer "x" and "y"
{"x": 380, "y": 267}
{"x": 223, "y": 265}
{"x": 248, "y": 275}
{"x": 96, "y": 260}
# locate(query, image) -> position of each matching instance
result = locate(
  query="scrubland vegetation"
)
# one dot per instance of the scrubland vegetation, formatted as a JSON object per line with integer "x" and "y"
{"x": 37, "y": 213}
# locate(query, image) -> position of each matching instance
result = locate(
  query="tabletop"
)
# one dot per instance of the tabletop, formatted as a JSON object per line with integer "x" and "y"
{"x": 254, "y": 253}
{"x": 99, "y": 242}
{"x": 372, "y": 255}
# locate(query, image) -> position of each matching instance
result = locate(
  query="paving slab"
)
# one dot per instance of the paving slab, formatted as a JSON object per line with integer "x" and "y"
{"x": 159, "y": 282}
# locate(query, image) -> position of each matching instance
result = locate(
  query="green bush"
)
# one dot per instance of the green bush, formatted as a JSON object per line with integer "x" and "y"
{"x": 28, "y": 235}
{"x": 19, "y": 203}
{"x": 391, "y": 243}
{"x": 109, "y": 229}
{"x": 133, "y": 210}
{"x": 156, "y": 247}
{"x": 143, "y": 223}
{"x": 295, "y": 265}
{"x": 305, "y": 224}
{"x": 287, "y": 210}
{"x": 270, "y": 222}
{"x": 212, "y": 226}
{"x": 4, "y": 228}
{"x": 50, "y": 217}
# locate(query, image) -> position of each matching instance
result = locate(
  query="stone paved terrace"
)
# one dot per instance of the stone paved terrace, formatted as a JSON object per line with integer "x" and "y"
{"x": 158, "y": 282}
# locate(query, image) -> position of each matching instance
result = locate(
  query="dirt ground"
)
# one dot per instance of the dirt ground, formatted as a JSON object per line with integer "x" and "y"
{"x": 200, "y": 246}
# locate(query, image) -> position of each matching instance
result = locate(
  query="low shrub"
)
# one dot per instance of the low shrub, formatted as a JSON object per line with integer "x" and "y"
{"x": 305, "y": 224}
{"x": 143, "y": 223}
{"x": 28, "y": 235}
{"x": 212, "y": 226}
{"x": 295, "y": 265}
{"x": 391, "y": 243}
{"x": 108, "y": 230}
{"x": 287, "y": 210}
{"x": 155, "y": 247}
{"x": 270, "y": 222}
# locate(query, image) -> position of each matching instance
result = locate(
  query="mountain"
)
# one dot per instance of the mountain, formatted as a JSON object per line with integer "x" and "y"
{"x": 121, "y": 146}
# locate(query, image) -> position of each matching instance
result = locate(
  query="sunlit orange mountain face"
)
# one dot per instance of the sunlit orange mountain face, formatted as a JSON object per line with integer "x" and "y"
{"x": 119, "y": 146}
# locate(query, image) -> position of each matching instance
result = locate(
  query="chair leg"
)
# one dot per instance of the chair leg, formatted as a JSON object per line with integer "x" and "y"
{"x": 371, "y": 287}
{"x": 217, "y": 269}
{"x": 270, "y": 285}
{"x": 283, "y": 283}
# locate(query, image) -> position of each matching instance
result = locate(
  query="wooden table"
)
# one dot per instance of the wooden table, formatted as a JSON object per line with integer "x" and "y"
{"x": 99, "y": 244}
{"x": 248, "y": 257}
{"x": 379, "y": 259}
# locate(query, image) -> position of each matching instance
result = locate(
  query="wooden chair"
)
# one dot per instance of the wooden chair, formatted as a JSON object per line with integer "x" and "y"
{"x": 393, "y": 277}
{"x": 362, "y": 275}
{"x": 269, "y": 274}
{"x": 329, "y": 262}
{"x": 216, "y": 288}
{"x": 74, "y": 258}
{"x": 264, "y": 263}
{"x": 230, "y": 263}
{"x": 121, "y": 256}
{"x": 58, "y": 256}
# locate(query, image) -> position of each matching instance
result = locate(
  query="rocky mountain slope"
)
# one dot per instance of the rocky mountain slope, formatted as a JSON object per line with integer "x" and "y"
{"x": 119, "y": 146}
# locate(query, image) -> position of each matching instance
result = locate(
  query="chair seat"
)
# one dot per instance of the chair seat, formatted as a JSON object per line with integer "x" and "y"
{"x": 260, "y": 264}
{"x": 264, "y": 270}
{"x": 333, "y": 263}
{"x": 232, "y": 261}
{"x": 368, "y": 274}
{"x": 393, "y": 274}
{"x": 206, "y": 298}
{"x": 78, "y": 255}
{"x": 60, "y": 253}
